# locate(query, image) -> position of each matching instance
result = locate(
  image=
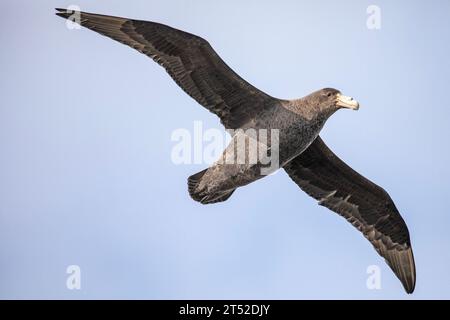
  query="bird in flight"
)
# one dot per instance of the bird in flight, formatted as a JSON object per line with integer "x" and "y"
{"x": 201, "y": 73}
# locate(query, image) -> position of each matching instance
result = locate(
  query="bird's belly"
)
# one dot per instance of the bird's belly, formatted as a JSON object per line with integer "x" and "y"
{"x": 247, "y": 158}
{"x": 241, "y": 163}
{"x": 296, "y": 139}
{"x": 295, "y": 133}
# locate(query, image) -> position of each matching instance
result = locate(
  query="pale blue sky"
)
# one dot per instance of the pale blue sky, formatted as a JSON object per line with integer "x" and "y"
{"x": 86, "y": 176}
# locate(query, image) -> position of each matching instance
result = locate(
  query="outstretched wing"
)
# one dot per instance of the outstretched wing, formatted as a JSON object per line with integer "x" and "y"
{"x": 190, "y": 61}
{"x": 326, "y": 178}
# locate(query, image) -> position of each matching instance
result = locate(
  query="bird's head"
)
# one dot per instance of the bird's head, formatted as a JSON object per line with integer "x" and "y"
{"x": 329, "y": 100}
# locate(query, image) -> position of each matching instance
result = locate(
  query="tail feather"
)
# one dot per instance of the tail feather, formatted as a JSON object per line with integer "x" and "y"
{"x": 193, "y": 182}
{"x": 203, "y": 196}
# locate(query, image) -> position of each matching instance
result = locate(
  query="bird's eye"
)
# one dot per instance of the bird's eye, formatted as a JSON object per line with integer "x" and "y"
{"x": 329, "y": 94}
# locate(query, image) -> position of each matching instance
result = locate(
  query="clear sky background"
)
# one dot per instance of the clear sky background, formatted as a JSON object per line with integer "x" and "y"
{"x": 86, "y": 176}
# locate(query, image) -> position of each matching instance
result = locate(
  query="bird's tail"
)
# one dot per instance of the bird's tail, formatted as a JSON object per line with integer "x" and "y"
{"x": 203, "y": 196}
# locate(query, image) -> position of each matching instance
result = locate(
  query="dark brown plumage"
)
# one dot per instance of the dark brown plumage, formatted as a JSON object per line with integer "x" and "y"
{"x": 189, "y": 60}
{"x": 326, "y": 178}
{"x": 201, "y": 73}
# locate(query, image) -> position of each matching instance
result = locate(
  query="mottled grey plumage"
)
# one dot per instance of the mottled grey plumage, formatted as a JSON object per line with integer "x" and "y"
{"x": 201, "y": 73}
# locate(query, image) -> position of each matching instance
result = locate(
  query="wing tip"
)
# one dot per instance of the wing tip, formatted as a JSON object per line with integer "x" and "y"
{"x": 403, "y": 265}
{"x": 409, "y": 286}
{"x": 63, "y": 13}
{"x": 410, "y": 282}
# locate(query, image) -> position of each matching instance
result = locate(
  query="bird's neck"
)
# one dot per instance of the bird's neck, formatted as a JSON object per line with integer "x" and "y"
{"x": 307, "y": 110}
